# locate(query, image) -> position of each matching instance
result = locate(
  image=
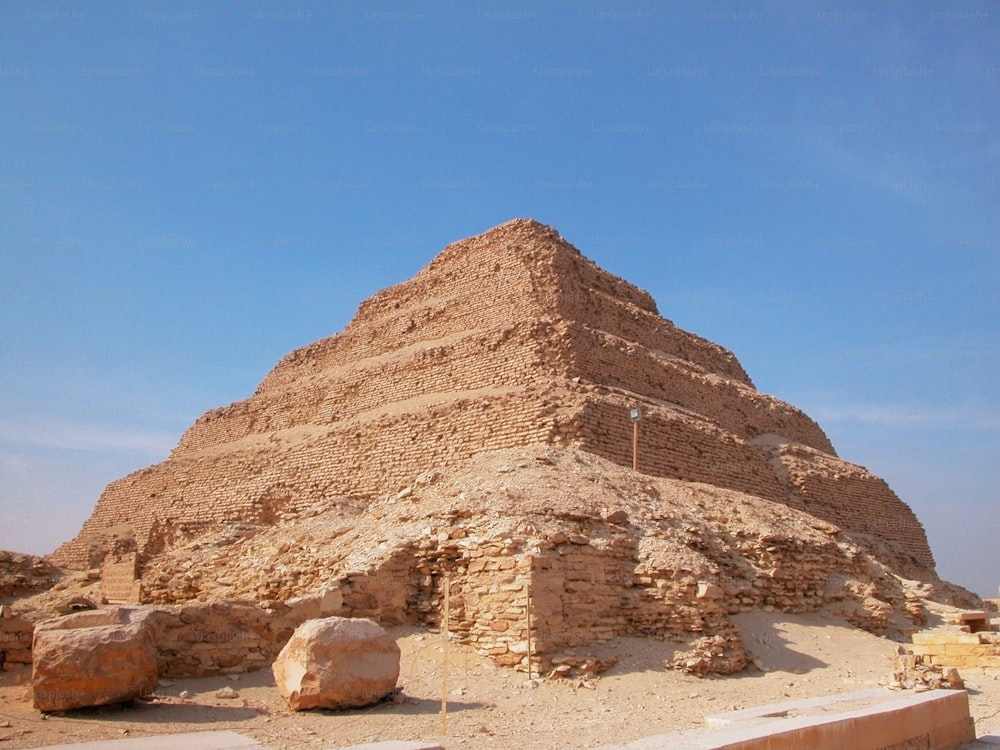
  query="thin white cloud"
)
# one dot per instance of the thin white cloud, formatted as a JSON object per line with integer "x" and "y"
{"x": 65, "y": 435}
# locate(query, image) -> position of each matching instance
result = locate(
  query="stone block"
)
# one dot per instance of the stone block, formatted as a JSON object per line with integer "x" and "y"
{"x": 76, "y": 667}
{"x": 337, "y": 662}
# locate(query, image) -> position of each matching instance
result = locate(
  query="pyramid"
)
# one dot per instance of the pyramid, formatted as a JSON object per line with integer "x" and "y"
{"x": 509, "y": 338}
{"x": 477, "y": 419}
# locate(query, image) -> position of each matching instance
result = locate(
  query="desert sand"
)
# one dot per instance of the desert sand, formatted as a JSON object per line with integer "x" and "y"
{"x": 496, "y": 708}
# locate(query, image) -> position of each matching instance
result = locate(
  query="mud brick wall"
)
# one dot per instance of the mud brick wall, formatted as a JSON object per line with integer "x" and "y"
{"x": 205, "y": 639}
{"x": 679, "y": 446}
{"x": 956, "y": 649}
{"x": 474, "y": 364}
{"x": 357, "y": 459}
{"x": 15, "y": 640}
{"x": 604, "y": 302}
{"x": 674, "y": 445}
{"x": 855, "y": 499}
{"x": 651, "y": 373}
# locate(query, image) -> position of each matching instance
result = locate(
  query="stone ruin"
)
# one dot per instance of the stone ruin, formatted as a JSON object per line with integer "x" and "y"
{"x": 471, "y": 428}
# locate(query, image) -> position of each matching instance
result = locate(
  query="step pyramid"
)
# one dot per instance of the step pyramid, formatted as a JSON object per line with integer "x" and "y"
{"x": 512, "y": 344}
{"x": 505, "y": 339}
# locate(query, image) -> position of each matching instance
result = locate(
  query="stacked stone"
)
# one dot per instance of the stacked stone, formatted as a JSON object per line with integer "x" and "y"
{"x": 948, "y": 648}
{"x": 856, "y": 500}
{"x": 15, "y": 639}
{"x": 508, "y": 339}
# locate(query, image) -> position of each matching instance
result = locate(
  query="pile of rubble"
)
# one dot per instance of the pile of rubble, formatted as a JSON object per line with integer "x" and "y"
{"x": 911, "y": 672}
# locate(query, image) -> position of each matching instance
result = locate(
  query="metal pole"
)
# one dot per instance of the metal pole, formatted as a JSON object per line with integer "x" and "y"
{"x": 444, "y": 668}
{"x": 527, "y": 620}
{"x": 635, "y": 445}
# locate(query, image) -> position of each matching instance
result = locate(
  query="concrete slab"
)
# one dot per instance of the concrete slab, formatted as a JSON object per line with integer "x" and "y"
{"x": 395, "y": 745}
{"x": 988, "y": 742}
{"x": 181, "y": 741}
{"x": 863, "y": 720}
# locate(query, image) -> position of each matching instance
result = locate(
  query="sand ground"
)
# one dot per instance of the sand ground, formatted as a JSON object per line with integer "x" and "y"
{"x": 492, "y": 708}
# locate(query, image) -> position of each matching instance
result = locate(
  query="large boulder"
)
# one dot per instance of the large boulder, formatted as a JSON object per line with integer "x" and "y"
{"x": 92, "y": 658}
{"x": 337, "y": 662}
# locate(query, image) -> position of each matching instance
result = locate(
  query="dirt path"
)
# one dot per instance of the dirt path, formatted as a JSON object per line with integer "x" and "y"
{"x": 497, "y": 709}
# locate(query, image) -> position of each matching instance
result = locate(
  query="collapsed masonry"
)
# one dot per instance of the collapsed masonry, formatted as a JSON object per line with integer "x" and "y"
{"x": 472, "y": 423}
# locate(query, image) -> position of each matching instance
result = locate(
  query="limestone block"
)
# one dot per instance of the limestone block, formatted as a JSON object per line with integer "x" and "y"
{"x": 92, "y": 665}
{"x": 337, "y": 662}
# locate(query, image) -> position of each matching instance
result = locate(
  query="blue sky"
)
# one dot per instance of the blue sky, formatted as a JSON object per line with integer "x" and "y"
{"x": 189, "y": 191}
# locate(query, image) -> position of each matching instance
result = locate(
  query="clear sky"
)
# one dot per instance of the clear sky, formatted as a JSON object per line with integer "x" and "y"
{"x": 189, "y": 191}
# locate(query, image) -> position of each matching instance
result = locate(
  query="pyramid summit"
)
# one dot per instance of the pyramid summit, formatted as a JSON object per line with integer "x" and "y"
{"x": 507, "y": 344}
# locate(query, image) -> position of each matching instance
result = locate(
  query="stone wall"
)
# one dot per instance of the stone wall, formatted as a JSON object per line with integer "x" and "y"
{"x": 856, "y": 500}
{"x": 15, "y": 639}
{"x": 22, "y": 574}
{"x": 955, "y": 649}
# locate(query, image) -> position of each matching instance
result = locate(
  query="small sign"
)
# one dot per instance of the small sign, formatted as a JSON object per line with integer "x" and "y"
{"x": 119, "y": 584}
{"x": 635, "y": 414}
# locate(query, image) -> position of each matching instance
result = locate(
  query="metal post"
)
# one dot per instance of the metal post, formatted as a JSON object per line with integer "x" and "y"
{"x": 635, "y": 415}
{"x": 444, "y": 666}
{"x": 527, "y": 621}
